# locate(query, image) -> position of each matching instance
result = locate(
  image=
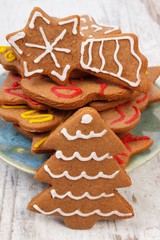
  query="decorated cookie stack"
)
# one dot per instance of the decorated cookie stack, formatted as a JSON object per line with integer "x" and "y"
{"x": 77, "y": 88}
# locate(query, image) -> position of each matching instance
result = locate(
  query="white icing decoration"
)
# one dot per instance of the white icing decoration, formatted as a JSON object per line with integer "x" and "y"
{"x": 49, "y": 47}
{"x": 84, "y": 28}
{"x": 77, "y": 155}
{"x": 90, "y": 18}
{"x": 116, "y": 60}
{"x": 86, "y": 194}
{"x": 90, "y": 54}
{"x": 35, "y": 15}
{"x": 62, "y": 77}
{"x": 113, "y": 28}
{"x": 78, "y": 212}
{"x": 90, "y": 35}
{"x": 81, "y": 34}
{"x": 27, "y": 73}
{"x": 79, "y": 134}
{"x": 75, "y": 20}
{"x": 86, "y": 119}
{"x": 15, "y": 38}
{"x": 83, "y": 19}
{"x": 82, "y": 175}
{"x": 118, "y": 74}
{"x": 97, "y": 28}
{"x": 101, "y": 55}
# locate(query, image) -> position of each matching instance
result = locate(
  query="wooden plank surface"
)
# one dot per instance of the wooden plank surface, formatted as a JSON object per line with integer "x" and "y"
{"x": 17, "y": 188}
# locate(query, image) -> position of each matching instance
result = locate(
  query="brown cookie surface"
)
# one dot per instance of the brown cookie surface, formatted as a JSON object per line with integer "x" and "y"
{"x": 31, "y": 120}
{"x": 75, "y": 94}
{"x": 11, "y": 93}
{"x": 89, "y": 27}
{"x": 9, "y": 60}
{"x": 86, "y": 193}
{"x": 152, "y": 75}
{"x": 56, "y": 54}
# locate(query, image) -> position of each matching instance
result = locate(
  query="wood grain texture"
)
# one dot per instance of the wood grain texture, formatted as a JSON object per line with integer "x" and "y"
{"x": 18, "y": 188}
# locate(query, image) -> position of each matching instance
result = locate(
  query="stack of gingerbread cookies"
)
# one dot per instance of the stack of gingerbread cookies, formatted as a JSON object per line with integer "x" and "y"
{"x": 77, "y": 88}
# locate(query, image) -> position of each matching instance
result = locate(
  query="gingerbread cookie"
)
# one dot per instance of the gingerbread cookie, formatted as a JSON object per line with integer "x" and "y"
{"x": 23, "y": 131}
{"x": 9, "y": 60}
{"x": 90, "y": 28}
{"x": 152, "y": 75}
{"x": 13, "y": 64}
{"x": 104, "y": 105}
{"x": 11, "y": 93}
{"x": 122, "y": 118}
{"x": 154, "y": 95}
{"x": 39, "y": 140}
{"x": 31, "y": 120}
{"x": 75, "y": 94}
{"x": 57, "y": 53}
{"x": 86, "y": 193}
{"x": 135, "y": 144}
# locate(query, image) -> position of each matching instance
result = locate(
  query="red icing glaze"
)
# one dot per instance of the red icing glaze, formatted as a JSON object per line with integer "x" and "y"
{"x": 134, "y": 117}
{"x": 131, "y": 138}
{"x": 120, "y": 112}
{"x": 103, "y": 86}
{"x": 120, "y": 161}
{"x": 61, "y": 95}
{"x": 123, "y": 87}
{"x": 15, "y": 84}
{"x": 71, "y": 81}
{"x": 31, "y": 101}
{"x": 9, "y": 91}
{"x": 142, "y": 99}
{"x": 17, "y": 77}
{"x": 41, "y": 77}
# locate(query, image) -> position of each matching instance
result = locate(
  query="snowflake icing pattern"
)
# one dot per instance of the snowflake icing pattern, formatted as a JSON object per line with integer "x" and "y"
{"x": 49, "y": 47}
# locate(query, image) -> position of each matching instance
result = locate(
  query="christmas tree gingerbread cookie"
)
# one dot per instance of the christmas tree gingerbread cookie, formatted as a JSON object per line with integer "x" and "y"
{"x": 83, "y": 180}
{"x": 56, "y": 53}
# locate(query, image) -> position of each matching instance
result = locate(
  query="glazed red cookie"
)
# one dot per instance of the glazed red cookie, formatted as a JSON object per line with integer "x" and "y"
{"x": 75, "y": 94}
{"x": 153, "y": 95}
{"x": 56, "y": 53}
{"x": 135, "y": 144}
{"x": 86, "y": 193}
{"x": 105, "y": 105}
{"x": 31, "y": 120}
{"x": 11, "y": 93}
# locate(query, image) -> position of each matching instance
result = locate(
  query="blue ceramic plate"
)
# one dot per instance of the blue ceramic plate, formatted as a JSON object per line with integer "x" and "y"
{"x": 15, "y": 148}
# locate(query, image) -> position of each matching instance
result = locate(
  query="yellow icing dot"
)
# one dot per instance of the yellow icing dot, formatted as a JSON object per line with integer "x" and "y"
{"x": 3, "y": 49}
{"x": 46, "y": 117}
{"x": 9, "y": 56}
{"x": 14, "y": 107}
{"x": 146, "y": 72}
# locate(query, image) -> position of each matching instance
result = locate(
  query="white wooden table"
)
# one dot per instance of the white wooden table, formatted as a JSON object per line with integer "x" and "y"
{"x": 17, "y": 188}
